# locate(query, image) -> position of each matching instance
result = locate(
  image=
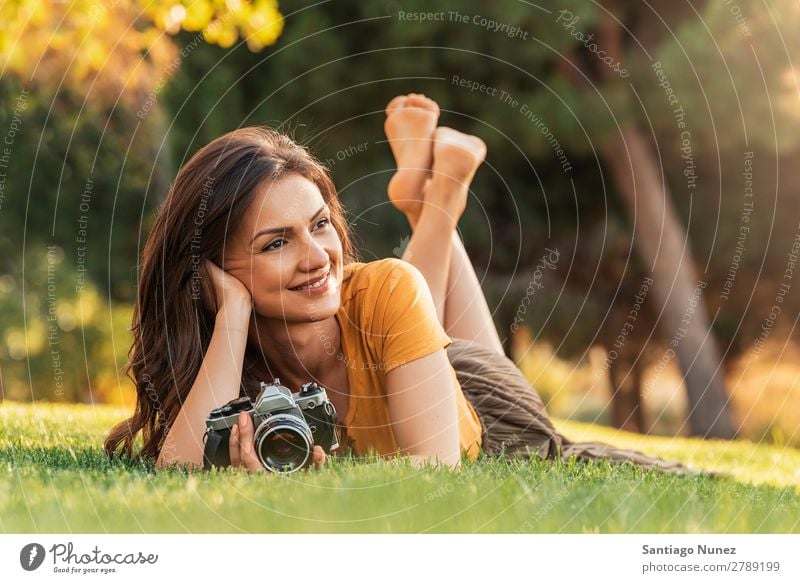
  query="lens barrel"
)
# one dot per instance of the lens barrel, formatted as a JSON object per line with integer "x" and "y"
{"x": 284, "y": 443}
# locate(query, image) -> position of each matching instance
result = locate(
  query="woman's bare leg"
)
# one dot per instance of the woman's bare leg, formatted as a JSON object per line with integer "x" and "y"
{"x": 456, "y": 291}
{"x": 433, "y": 207}
{"x": 467, "y": 315}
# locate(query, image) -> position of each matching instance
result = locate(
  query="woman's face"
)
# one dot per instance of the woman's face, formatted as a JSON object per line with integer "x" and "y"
{"x": 285, "y": 241}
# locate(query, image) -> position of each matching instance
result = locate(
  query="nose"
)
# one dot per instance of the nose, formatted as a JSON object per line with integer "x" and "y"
{"x": 314, "y": 257}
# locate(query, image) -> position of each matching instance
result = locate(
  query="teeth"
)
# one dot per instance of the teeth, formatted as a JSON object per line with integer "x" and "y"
{"x": 320, "y": 283}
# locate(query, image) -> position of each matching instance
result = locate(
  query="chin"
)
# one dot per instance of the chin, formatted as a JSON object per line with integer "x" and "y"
{"x": 295, "y": 313}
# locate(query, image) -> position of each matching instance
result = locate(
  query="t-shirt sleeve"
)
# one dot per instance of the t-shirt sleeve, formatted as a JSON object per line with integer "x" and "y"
{"x": 406, "y": 322}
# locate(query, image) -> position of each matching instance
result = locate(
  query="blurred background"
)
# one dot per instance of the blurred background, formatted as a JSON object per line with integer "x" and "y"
{"x": 636, "y": 226}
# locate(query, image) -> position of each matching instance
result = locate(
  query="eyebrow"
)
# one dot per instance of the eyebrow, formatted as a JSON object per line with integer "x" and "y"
{"x": 285, "y": 229}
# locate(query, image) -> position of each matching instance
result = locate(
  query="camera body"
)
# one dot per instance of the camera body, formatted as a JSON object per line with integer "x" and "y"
{"x": 286, "y": 425}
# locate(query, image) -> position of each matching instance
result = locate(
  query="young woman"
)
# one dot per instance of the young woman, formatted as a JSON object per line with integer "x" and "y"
{"x": 249, "y": 274}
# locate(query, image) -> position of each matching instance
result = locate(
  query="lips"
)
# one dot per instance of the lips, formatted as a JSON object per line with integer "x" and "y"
{"x": 313, "y": 283}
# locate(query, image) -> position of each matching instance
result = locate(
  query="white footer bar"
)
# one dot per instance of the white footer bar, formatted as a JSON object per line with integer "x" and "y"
{"x": 389, "y": 558}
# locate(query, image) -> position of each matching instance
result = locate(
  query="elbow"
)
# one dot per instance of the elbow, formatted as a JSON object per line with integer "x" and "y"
{"x": 450, "y": 460}
{"x": 165, "y": 463}
{"x": 162, "y": 463}
{"x": 170, "y": 457}
{"x": 453, "y": 461}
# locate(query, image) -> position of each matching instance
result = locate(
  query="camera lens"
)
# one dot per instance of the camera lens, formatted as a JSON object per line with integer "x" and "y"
{"x": 284, "y": 444}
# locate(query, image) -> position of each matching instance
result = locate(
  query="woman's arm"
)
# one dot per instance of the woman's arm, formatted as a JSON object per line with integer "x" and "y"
{"x": 423, "y": 409}
{"x": 219, "y": 377}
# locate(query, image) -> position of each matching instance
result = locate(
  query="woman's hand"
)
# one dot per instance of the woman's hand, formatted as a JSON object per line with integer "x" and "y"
{"x": 242, "y": 449}
{"x": 228, "y": 290}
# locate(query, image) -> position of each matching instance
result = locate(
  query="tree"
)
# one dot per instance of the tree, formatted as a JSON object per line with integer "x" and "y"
{"x": 85, "y": 151}
{"x": 573, "y": 103}
{"x": 636, "y": 169}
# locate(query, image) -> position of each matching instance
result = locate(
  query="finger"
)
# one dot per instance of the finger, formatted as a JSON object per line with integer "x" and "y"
{"x": 233, "y": 447}
{"x": 319, "y": 457}
{"x": 210, "y": 299}
{"x": 246, "y": 448}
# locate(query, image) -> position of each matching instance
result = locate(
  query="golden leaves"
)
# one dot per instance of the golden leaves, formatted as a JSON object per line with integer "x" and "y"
{"x": 111, "y": 48}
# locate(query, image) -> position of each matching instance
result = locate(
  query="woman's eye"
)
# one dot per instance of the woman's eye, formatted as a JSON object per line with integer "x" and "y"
{"x": 276, "y": 244}
{"x": 321, "y": 223}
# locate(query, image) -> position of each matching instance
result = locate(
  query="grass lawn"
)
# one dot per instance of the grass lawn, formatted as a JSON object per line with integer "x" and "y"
{"x": 55, "y": 478}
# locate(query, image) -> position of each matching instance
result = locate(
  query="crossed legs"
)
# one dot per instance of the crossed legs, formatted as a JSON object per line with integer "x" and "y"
{"x": 435, "y": 166}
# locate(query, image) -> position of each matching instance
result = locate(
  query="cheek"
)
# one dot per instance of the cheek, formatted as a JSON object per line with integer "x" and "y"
{"x": 334, "y": 244}
{"x": 254, "y": 272}
{"x": 270, "y": 275}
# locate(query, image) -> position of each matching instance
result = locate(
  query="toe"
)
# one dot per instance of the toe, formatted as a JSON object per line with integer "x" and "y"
{"x": 421, "y": 102}
{"x": 445, "y": 135}
{"x": 395, "y": 103}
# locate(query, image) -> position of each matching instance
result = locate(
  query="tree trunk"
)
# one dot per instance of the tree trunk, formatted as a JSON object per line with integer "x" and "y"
{"x": 627, "y": 409}
{"x": 662, "y": 244}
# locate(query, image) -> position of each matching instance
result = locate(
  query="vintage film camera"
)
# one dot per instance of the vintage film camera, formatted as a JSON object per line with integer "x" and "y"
{"x": 287, "y": 427}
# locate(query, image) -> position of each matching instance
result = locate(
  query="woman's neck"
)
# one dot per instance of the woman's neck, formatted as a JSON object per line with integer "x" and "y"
{"x": 296, "y": 353}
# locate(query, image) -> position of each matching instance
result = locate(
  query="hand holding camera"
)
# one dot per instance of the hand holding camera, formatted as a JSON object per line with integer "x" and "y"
{"x": 241, "y": 448}
{"x": 280, "y": 431}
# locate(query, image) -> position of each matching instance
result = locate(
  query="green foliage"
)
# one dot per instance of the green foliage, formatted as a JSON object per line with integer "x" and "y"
{"x": 327, "y": 80}
{"x": 61, "y": 340}
{"x": 75, "y": 175}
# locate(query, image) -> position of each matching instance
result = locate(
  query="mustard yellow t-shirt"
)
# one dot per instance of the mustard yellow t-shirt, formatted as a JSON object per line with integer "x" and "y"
{"x": 388, "y": 318}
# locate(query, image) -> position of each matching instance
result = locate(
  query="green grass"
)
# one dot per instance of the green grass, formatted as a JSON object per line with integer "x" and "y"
{"x": 55, "y": 478}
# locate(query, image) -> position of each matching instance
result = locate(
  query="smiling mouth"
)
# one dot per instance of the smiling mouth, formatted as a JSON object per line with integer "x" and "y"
{"x": 314, "y": 285}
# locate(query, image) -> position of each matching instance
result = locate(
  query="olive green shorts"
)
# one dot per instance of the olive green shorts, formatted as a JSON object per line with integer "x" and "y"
{"x": 513, "y": 416}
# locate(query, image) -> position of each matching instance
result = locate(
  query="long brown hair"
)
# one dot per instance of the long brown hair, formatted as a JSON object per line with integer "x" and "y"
{"x": 171, "y": 325}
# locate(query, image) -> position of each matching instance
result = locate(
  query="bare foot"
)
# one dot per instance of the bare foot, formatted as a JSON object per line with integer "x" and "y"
{"x": 410, "y": 122}
{"x": 456, "y": 158}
